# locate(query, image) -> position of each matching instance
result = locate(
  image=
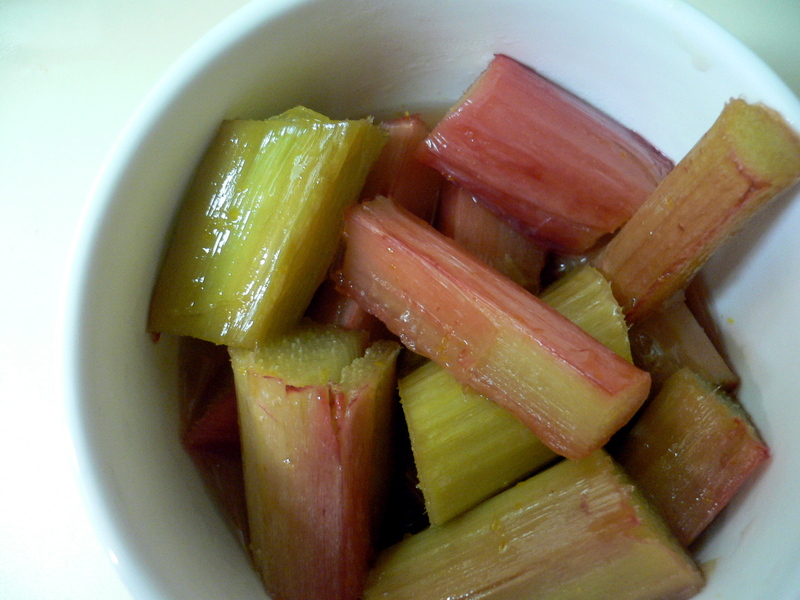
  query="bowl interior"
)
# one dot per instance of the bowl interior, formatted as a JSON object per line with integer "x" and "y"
{"x": 656, "y": 65}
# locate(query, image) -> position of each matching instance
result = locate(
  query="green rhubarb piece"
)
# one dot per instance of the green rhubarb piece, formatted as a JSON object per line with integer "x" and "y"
{"x": 260, "y": 225}
{"x": 576, "y": 530}
{"x": 466, "y": 447}
{"x": 315, "y": 416}
{"x": 748, "y": 156}
{"x": 585, "y": 297}
{"x": 690, "y": 452}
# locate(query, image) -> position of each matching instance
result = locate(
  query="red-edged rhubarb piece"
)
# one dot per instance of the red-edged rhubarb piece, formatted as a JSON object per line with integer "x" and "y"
{"x": 329, "y": 306}
{"x": 315, "y": 419}
{"x": 748, "y": 156}
{"x": 690, "y": 451}
{"x": 462, "y": 217}
{"x": 397, "y": 174}
{"x": 565, "y": 172}
{"x": 490, "y": 333}
{"x": 210, "y": 427}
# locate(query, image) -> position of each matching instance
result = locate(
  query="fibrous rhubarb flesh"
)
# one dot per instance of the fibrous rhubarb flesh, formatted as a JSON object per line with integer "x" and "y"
{"x": 671, "y": 338}
{"x": 315, "y": 420}
{"x": 576, "y": 530}
{"x": 466, "y": 447}
{"x": 748, "y": 156}
{"x": 565, "y": 172}
{"x": 584, "y": 296}
{"x": 397, "y": 174}
{"x": 690, "y": 452}
{"x": 462, "y": 217}
{"x": 260, "y": 225}
{"x": 491, "y": 334}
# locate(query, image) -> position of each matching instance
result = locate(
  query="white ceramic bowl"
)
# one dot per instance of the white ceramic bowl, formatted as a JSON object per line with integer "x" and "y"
{"x": 657, "y": 65}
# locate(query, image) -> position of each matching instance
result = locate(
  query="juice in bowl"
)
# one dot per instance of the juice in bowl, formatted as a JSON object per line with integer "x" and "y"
{"x": 659, "y": 68}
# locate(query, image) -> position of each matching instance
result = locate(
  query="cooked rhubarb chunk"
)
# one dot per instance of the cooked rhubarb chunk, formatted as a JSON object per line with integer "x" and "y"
{"x": 397, "y": 174}
{"x": 670, "y": 339}
{"x": 210, "y": 426}
{"x": 260, "y": 225}
{"x": 563, "y": 170}
{"x": 315, "y": 422}
{"x": 490, "y": 333}
{"x": 690, "y": 452}
{"x": 584, "y": 296}
{"x": 487, "y": 236}
{"x": 466, "y": 447}
{"x": 747, "y": 157}
{"x": 577, "y": 530}
{"x": 329, "y": 306}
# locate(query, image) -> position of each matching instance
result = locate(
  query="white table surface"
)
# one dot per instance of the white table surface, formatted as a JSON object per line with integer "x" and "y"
{"x": 71, "y": 74}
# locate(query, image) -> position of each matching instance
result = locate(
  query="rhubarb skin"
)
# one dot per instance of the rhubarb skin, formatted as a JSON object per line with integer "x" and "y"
{"x": 576, "y": 530}
{"x": 748, "y": 156}
{"x": 260, "y": 225}
{"x": 690, "y": 452}
{"x": 491, "y": 334}
{"x": 315, "y": 452}
{"x": 671, "y": 338}
{"x": 565, "y": 172}
{"x": 464, "y": 218}
{"x": 397, "y": 174}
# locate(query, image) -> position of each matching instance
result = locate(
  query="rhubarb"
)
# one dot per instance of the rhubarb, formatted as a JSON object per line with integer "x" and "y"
{"x": 584, "y": 296}
{"x": 260, "y": 226}
{"x": 577, "y": 530}
{"x": 315, "y": 421}
{"x": 670, "y": 339}
{"x": 466, "y": 447}
{"x": 397, "y": 174}
{"x": 748, "y": 156}
{"x": 690, "y": 451}
{"x": 462, "y": 217}
{"x": 491, "y": 334}
{"x": 563, "y": 171}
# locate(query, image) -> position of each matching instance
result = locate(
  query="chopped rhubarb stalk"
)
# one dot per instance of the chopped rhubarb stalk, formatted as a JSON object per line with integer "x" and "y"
{"x": 260, "y": 225}
{"x": 748, "y": 156}
{"x": 563, "y": 170}
{"x": 329, "y": 306}
{"x": 484, "y": 234}
{"x": 466, "y": 447}
{"x": 584, "y": 296}
{"x": 671, "y": 338}
{"x": 490, "y": 333}
{"x": 576, "y": 530}
{"x": 206, "y": 382}
{"x": 399, "y": 175}
{"x": 690, "y": 451}
{"x": 210, "y": 427}
{"x": 315, "y": 419}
